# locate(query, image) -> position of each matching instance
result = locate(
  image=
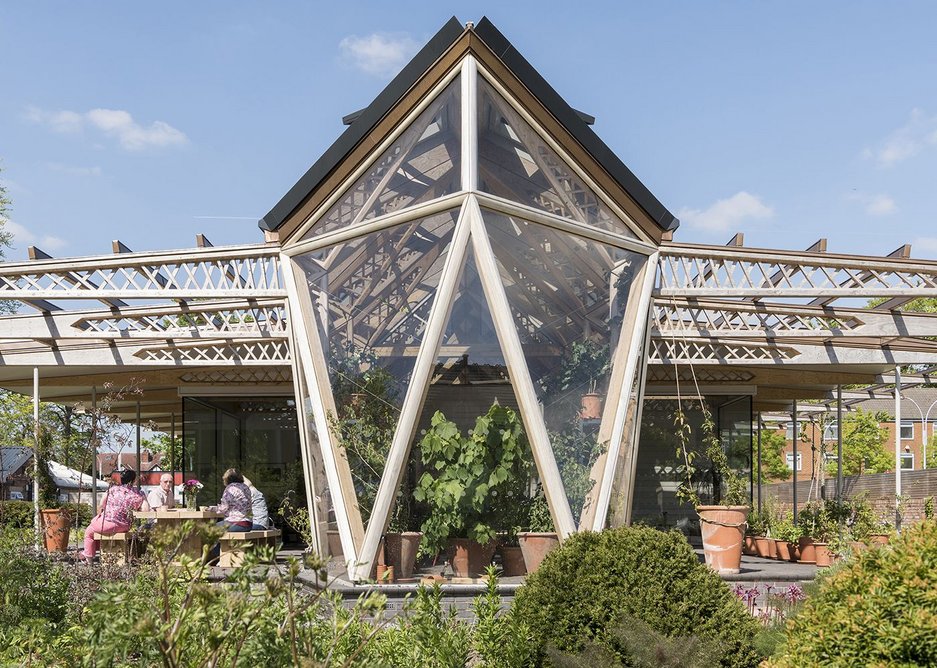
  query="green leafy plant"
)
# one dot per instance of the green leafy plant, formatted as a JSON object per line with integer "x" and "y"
{"x": 585, "y": 364}
{"x": 877, "y": 610}
{"x": 585, "y": 587}
{"x": 474, "y": 485}
{"x": 929, "y": 508}
{"x": 730, "y": 486}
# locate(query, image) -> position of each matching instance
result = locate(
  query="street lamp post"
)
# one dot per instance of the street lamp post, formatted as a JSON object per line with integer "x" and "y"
{"x": 925, "y": 416}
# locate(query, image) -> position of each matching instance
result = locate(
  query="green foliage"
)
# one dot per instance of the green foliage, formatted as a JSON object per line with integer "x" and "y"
{"x": 879, "y": 609}
{"x": 929, "y": 508}
{"x": 645, "y": 647}
{"x": 32, "y": 587}
{"x": 586, "y": 587}
{"x": 824, "y": 521}
{"x": 864, "y": 444}
{"x": 576, "y": 449}
{"x": 731, "y": 487}
{"x": 773, "y": 465}
{"x": 474, "y": 485}
{"x": 499, "y": 639}
{"x": 785, "y": 529}
{"x": 16, "y": 514}
{"x": 366, "y": 397}
{"x": 539, "y": 518}
{"x": 585, "y": 364}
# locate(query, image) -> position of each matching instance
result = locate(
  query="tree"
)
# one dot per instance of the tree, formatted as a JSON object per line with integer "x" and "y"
{"x": 772, "y": 466}
{"x": 864, "y": 444}
{"x": 6, "y": 239}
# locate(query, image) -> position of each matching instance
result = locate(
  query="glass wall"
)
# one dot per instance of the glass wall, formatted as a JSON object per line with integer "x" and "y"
{"x": 257, "y": 435}
{"x": 658, "y": 473}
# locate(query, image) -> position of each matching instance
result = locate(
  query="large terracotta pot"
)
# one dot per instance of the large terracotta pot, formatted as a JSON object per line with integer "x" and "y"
{"x": 512, "y": 561}
{"x": 535, "y": 547}
{"x": 56, "y": 523}
{"x": 823, "y": 554}
{"x": 400, "y": 552}
{"x": 772, "y": 548}
{"x": 470, "y": 558}
{"x": 808, "y": 550}
{"x": 591, "y": 406}
{"x": 723, "y": 529}
{"x": 761, "y": 546}
{"x": 784, "y": 550}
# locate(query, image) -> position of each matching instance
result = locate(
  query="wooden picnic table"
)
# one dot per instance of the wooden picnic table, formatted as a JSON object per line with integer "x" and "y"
{"x": 170, "y": 518}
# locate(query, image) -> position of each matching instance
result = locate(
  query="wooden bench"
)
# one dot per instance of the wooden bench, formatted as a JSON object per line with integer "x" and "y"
{"x": 235, "y": 543}
{"x": 119, "y": 548}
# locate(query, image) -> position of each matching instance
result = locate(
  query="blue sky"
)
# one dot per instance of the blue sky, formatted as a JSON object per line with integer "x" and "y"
{"x": 150, "y": 122}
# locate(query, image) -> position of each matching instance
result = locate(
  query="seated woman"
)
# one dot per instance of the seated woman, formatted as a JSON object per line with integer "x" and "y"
{"x": 259, "y": 515}
{"x": 235, "y": 503}
{"x": 116, "y": 512}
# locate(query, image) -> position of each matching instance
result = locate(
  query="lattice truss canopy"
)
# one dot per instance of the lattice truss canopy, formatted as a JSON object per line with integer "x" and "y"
{"x": 766, "y": 310}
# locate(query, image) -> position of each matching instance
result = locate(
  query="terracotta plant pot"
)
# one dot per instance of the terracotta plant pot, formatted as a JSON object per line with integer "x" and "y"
{"x": 535, "y": 547}
{"x": 56, "y": 524}
{"x": 385, "y": 574}
{"x": 512, "y": 561}
{"x": 878, "y": 539}
{"x": 748, "y": 548}
{"x": 808, "y": 551}
{"x": 470, "y": 558}
{"x": 823, "y": 555}
{"x": 591, "y": 406}
{"x": 761, "y": 546}
{"x": 772, "y": 548}
{"x": 784, "y": 550}
{"x": 400, "y": 551}
{"x": 795, "y": 551}
{"x": 857, "y": 546}
{"x": 723, "y": 529}
{"x": 335, "y": 543}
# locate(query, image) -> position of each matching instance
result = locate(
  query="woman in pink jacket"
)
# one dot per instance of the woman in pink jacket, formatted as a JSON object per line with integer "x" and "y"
{"x": 116, "y": 512}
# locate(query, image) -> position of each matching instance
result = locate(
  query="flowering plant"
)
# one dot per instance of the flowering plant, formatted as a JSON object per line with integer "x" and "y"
{"x": 190, "y": 489}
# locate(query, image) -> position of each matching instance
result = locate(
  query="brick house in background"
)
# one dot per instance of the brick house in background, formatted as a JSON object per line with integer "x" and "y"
{"x": 917, "y": 430}
{"x": 118, "y": 461}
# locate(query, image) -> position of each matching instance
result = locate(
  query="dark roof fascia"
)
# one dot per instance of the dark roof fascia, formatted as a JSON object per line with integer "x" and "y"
{"x": 574, "y": 123}
{"x": 363, "y": 124}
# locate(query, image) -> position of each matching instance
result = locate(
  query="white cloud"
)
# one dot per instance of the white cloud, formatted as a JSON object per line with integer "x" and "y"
{"x": 875, "y": 205}
{"x": 115, "y": 123}
{"x": 380, "y": 54}
{"x": 907, "y": 141}
{"x": 727, "y": 214}
{"x": 23, "y": 237}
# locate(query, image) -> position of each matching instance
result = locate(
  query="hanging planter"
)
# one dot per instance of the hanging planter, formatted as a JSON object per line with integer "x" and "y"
{"x": 591, "y": 406}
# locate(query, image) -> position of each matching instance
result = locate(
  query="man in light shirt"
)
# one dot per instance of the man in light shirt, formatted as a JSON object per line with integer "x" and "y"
{"x": 162, "y": 497}
{"x": 259, "y": 515}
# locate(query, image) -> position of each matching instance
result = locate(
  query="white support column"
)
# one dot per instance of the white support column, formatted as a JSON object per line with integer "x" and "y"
{"x": 794, "y": 444}
{"x": 94, "y": 450}
{"x": 306, "y": 337}
{"x": 416, "y": 394}
{"x": 632, "y": 466}
{"x": 839, "y": 442}
{"x": 304, "y": 447}
{"x": 898, "y": 448}
{"x": 36, "y": 525}
{"x": 531, "y": 413}
{"x": 638, "y": 331}
{"x": 469, "y": 156}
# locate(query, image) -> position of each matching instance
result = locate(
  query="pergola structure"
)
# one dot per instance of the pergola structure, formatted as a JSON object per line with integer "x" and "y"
{"x": 468, "y": 239}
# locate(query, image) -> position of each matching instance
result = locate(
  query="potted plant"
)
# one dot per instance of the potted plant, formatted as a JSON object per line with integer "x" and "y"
{"x": 472, "y": 485}
{"x": 723, "y": 524}
{"x": 787, "y": 535}
{"x": 586, "y": 364}
{"x": 540, "y": 539}
{"x": 401, "y": 546}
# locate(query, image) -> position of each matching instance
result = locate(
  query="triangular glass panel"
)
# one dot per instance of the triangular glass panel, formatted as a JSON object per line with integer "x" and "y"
{"x": 514, "y": 162}
{"x": 372, "y": 297}
{"x": 423, "y": 164}
{"x": 568, "y": 296}
{"x": 470, "y": 434}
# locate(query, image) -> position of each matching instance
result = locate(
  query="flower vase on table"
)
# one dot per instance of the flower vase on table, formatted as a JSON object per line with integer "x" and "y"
{"x": 190, "y": 491}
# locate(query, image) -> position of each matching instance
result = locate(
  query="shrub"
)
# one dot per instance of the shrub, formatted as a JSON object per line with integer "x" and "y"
{"x": 80, "y": 512}
{"x": 586, "y": 588}
{"x": 878, "y": 609}
{"x": 17, "y": 514}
